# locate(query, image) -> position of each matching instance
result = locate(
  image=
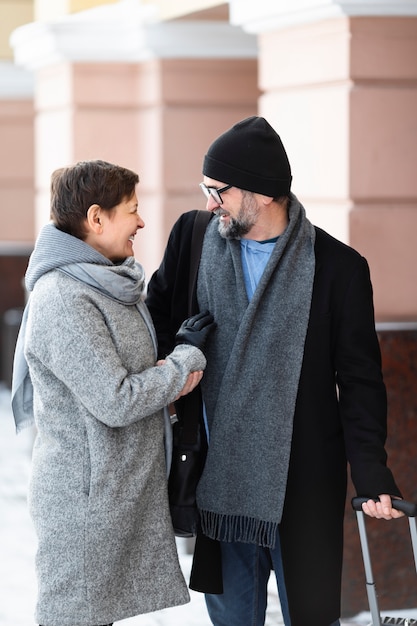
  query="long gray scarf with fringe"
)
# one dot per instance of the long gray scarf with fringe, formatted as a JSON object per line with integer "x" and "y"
{"x": 251, "y": 381}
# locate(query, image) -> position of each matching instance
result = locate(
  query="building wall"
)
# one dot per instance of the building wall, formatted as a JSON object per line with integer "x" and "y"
{"x": 156, "y": 117}
{"x": 12, "y": 15}
{"x": 50, "y": 9}
{"x": 346, "y": 101}
{"x": 16, "y": 180}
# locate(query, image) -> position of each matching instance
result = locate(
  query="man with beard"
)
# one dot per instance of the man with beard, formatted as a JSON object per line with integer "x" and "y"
{"x": 293, "y": 389}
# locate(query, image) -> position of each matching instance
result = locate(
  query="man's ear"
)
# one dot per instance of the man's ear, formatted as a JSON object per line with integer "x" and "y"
{"x": 266, "y": 200}
{"x": 94, "y": 219}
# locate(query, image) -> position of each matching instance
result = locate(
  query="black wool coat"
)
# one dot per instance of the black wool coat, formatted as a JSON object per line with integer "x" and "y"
{"x": 340, "y": 419}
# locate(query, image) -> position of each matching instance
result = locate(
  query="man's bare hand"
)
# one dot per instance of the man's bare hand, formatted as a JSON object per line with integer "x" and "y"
{"x": 382, "y": 509}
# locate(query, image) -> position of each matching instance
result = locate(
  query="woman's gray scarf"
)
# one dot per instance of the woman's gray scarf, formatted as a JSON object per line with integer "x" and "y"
{"x": 251, "y": 381}
{"x": 55, "y": 249}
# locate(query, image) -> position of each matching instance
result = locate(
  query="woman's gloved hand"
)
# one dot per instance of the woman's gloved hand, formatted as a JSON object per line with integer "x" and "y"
{"x": 195, "y": 330}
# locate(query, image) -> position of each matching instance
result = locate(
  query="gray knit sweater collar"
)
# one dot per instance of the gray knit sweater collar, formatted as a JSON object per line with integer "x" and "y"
{"x": 251, "y": 382}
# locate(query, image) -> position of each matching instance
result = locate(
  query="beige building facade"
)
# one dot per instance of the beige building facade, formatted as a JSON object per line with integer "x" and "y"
{"x": 150, "y": 84}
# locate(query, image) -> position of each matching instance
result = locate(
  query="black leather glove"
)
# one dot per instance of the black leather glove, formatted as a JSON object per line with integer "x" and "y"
{"x": 195, "y": 330}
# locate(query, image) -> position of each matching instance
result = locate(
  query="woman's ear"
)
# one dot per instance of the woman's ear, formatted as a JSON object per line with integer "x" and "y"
{"x": 94, "y": 219}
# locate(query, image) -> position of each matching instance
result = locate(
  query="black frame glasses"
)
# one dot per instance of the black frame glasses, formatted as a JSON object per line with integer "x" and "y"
{"x": 214, "y": 192}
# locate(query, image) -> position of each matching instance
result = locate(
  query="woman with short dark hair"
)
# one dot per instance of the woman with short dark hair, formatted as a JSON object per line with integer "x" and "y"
{"x": 98, "y": 491}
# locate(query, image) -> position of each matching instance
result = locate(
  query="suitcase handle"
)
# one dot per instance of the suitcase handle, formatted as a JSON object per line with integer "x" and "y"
{"x": 409, "y": 508}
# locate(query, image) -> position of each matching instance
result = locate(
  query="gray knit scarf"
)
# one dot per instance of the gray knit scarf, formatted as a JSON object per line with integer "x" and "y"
{"x": 55, "y": 249}
{"x": 251, "y": 381}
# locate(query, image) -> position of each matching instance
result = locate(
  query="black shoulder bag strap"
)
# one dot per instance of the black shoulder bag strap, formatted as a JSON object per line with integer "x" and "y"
{"x": 201, "y": 221}
{"x": 190, "y": 444}
{"x": 190, "y": 428}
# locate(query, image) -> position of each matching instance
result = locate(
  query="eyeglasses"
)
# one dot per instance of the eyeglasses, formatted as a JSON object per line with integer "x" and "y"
{"x": 214, "y": 192}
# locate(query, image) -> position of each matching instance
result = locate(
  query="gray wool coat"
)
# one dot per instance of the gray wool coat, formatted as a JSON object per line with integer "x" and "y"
{"x": 98, "y": 494}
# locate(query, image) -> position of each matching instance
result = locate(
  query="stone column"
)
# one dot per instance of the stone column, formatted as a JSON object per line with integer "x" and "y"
{"x": 114, "y": 83}
{"x": 339, "y": 83}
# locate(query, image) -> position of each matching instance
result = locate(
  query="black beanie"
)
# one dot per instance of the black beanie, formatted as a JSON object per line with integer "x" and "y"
{"x": 250, "y": 155}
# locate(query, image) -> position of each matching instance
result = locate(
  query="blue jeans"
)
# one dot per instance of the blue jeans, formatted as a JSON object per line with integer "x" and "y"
{"x": 246, "y": 570}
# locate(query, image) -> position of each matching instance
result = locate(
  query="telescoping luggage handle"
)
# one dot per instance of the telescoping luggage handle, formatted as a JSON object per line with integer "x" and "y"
{"x": 410, "y": 510}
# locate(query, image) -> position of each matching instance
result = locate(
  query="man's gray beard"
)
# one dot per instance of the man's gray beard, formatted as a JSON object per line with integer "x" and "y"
{"x": 240, "y": 226}
{"x": 233, "y": 230}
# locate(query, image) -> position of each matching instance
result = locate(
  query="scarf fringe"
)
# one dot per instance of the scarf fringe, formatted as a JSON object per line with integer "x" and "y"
{"x": 223, "y": 527}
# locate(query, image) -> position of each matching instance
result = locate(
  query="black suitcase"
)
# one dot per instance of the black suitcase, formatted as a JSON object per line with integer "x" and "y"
{"x": 410, "y": 510}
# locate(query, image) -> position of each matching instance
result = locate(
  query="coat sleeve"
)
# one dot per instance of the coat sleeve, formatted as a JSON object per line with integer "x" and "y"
{"x": 167, "y": 297}
{"x": 362, "y": 394}
{"x": 79, "y": 347}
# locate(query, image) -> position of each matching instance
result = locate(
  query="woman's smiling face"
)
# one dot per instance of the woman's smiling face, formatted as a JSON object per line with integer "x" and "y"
{"x": 118, "y": 229}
